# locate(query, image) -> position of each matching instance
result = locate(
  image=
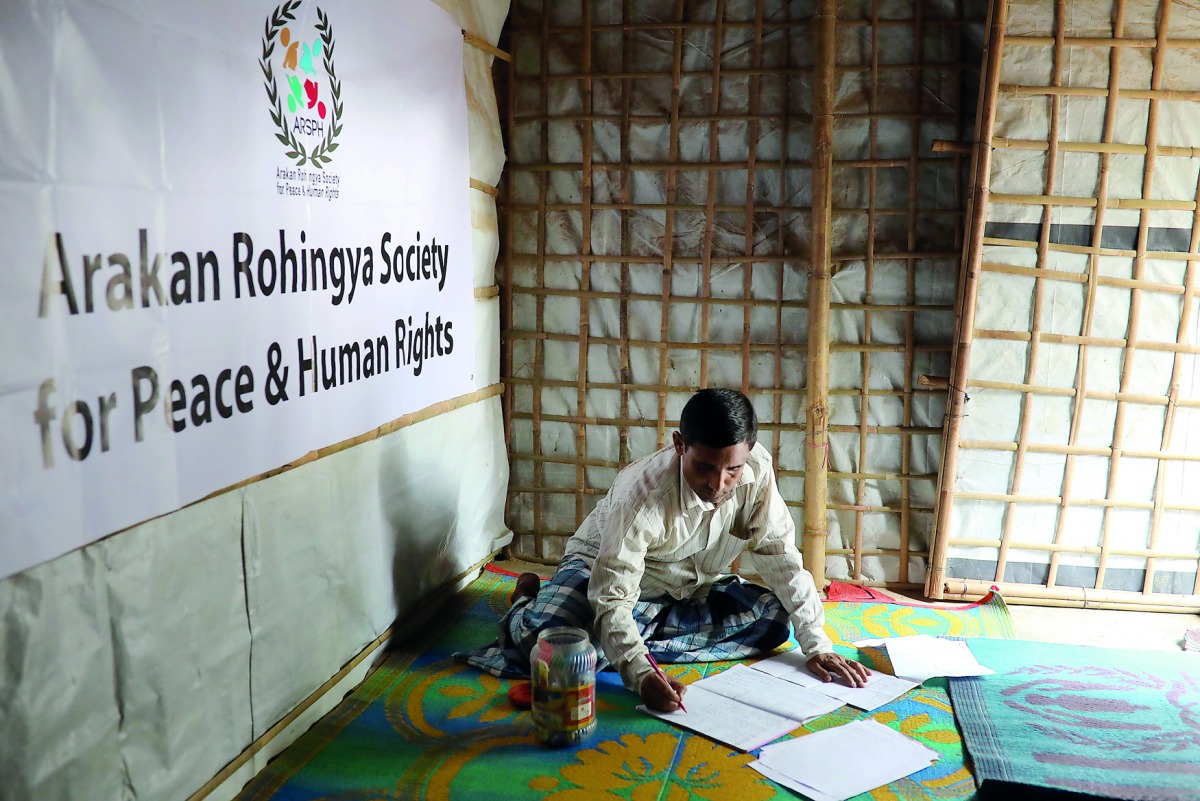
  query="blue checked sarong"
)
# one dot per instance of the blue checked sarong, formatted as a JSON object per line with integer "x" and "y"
{"x": 736, "y": 620}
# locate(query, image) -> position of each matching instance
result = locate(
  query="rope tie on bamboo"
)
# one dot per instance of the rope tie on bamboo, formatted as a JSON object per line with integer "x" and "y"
{"x": 822, "y": 447}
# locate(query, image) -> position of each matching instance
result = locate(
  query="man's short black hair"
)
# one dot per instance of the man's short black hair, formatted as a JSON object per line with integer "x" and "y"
{"x": 718, "y": 418}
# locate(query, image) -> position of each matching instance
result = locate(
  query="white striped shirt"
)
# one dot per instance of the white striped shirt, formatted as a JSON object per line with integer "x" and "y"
{"x": 651, "y": 536}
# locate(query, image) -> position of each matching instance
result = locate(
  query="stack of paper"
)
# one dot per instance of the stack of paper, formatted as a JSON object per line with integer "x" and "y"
{"x": 841, "y": 762}
{"x": 919, "y": 657}
{"x": 746, "y": 708}
{"x": 879, "y": 690}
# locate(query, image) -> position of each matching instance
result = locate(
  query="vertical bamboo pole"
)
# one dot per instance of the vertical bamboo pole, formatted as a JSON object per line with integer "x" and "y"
{"x": 910, "y": 332}
{"x": 1135, "y": 294}
{"x": 539, "y": 470}
{"x": 750, "y": 228}
{"x": 964, "y": 315}
{"x": 623, "y": 455}
{"x": 668, "y": 241}
{"x": 714, "y": 158}
{"x": 1093, "y": 282}
{"x": 1031, "y": 367}
{"x": 816, "y": 455}
{"x": 781, "y": 228}
{"x": 585, "y": 268}
{"x": 864, "y": 389}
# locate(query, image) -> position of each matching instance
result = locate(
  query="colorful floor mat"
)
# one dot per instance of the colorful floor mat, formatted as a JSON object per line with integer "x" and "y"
{"x": 424, "y": 726}
{"x": 1102, "y": 721}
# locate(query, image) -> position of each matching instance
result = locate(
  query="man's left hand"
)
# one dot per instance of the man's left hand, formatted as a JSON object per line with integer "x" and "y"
{"x": 827, "y": 667}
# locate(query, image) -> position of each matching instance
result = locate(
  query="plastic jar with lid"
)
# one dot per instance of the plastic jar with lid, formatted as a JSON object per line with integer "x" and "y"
{"x": 563, "y": 679}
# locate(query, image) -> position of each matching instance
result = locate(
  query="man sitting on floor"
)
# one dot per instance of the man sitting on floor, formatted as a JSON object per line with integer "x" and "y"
{"x": 646, "y": 573}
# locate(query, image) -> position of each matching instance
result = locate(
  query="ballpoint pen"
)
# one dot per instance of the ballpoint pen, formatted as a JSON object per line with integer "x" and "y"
{"x": 663, "y": 676}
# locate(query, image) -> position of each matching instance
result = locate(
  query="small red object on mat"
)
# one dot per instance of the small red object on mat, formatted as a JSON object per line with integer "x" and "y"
{"x": 841, "y": 591}
{"x": 520, "y": 695}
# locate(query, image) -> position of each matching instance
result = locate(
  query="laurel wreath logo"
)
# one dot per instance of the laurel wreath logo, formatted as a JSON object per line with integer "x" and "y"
{"x": 296, "y": 149}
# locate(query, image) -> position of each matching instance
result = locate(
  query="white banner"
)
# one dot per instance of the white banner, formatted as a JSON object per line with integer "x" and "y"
{"x": 232, "y": 233}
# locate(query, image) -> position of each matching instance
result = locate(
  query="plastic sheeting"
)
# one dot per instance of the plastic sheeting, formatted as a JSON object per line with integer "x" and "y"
{"x": 891, "y": 116}
{"x": 994, "y": 415}
{"x": 137, "y": 667}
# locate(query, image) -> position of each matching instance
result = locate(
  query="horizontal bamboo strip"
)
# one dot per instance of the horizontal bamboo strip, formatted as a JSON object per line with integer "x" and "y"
{"x": 1094, "y": 550}
{"x": 1089, "y": 91}
{"x": 574, "y": 461}
{"x": 769, "y": 347}
{"x": 851, "y": 507}
{"x": 485, "y": 292}
{"x": 921, "y": 431}
{"x": 883, "y": 476}
{"x": 917, "y": 431}
{"x": 487, "y": 189}
{"x": 1016, "y": 386}
{"x": 1097, "y": 41}
{"x": 656, "y": 388}
{"x": 1004, "y": 143}
{"x": 1090, "y": 202}
{"x": 934, "y": 382}
{"x": 769, "y": 303}
{"x": 791, "y": 165}
{"x": 840, "y": 211}
{"x": 1160, "y": 255}
{"x": 968, "y": 589}
{"x": 1101, "y": 342}
{"x": 539, "y": 116}
{"x": 768, "y": 25}
{"x": 639, "y": 422}
{"x": 485, "y": 46}
{"x": 748, "y": 72}
{"x": 877, "y": 347}
{"x": 885, "y": 308}
{"x": 542, "y": 458}
{"x": 1080, "y": 278}
{"x": 1078, "y": 450}
{"x": 849, "y": 474}
{"x": 889, "y": 393}
{"x": 1035, "y": 447}
{"x": 898, "y": 255}
{"x": 544, "y": 490}
{"x": 874, "y": 552}
{"x": 1052, "y": 500}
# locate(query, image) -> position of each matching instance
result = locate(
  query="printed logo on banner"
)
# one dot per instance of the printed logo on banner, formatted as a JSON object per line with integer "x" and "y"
{"x": 305, "y": 97}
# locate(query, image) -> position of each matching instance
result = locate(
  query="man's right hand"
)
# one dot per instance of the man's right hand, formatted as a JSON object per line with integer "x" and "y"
{"x": 662, "y": 696}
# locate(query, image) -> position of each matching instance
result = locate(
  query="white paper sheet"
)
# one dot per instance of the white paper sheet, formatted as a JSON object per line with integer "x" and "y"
{"x": 880, "y": 689}
{"x": 791, "y": 783}
{"x": 746, "y": 708}
{"x": 844, "y": 761}
{"x": 921, "y": 657}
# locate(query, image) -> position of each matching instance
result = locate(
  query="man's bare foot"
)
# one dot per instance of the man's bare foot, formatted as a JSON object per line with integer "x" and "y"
{"x": 528, "y": 585}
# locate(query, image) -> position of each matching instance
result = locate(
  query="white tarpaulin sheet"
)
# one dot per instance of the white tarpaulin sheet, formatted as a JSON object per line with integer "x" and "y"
{"x": 232, "y": 234}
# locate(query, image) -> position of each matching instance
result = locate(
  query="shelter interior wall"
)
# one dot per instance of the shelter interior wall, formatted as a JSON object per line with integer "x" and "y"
{"x": 1077, "y": 452}
{"x": 655, "y": 229}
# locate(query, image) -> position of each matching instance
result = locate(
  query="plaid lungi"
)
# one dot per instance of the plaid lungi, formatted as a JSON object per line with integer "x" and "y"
{"x": 736, "y": 620}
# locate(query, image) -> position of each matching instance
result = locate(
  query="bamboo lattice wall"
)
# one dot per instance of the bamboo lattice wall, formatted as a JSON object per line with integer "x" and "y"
{"x": 1076, "y": 459}
{"x": 656, "y": 219}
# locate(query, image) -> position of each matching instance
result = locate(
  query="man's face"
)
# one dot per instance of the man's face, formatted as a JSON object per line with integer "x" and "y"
{"x": 711, "y": 472}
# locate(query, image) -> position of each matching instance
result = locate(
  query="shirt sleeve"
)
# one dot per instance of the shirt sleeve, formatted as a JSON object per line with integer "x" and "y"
{"x": 615, "y": 587}
{"x": 773, "y": 537}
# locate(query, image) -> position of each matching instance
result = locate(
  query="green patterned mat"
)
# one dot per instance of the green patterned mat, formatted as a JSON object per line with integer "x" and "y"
{"x": 424, "y": 726}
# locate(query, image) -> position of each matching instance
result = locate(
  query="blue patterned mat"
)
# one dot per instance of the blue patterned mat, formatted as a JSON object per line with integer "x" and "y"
{"x": 1107, "y": 722}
